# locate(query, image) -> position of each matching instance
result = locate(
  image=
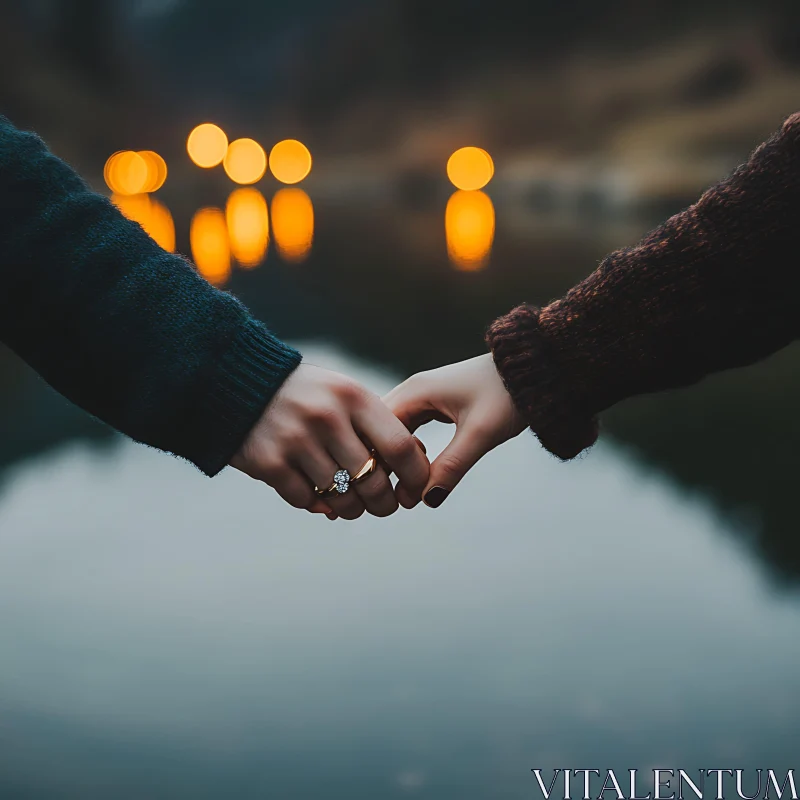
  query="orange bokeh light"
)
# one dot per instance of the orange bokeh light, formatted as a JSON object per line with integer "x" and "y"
{"x": 156, "y": 170}
{"x": 470, "y": 168}
{"x": 245, "y": 161}
{"x": 208, "y": 238}
{"x": 153, "y": 216}
{"x": 108, "y": 168}
{"x": 126, "y": 173}
{"x": 248, "y": 226}
{"x": 469, "y": 227}
{"x": 129, "y": 173}
{"x": 290, "y": 161}
{"x": 293, "y": 224}
{"x": 207, "y": 145}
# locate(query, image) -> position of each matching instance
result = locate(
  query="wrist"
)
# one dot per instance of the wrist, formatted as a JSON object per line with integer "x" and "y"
{"x": 527, "y": 362}
{"x": 246, "y": 377}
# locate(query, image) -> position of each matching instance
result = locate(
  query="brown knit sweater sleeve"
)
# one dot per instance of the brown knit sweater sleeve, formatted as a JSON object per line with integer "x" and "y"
{"x": 714, "y": 287}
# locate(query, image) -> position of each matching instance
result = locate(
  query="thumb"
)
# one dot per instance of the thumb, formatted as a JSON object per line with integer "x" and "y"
{"x": 467, "y": 447}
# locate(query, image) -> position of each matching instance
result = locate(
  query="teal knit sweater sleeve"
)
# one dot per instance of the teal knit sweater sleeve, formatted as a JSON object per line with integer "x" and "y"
{"x": 125, "y": 330}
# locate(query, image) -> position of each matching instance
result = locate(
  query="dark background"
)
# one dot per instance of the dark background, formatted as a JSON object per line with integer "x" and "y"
{"x": 602, "y": 119}
{"x": 672, "y": 93}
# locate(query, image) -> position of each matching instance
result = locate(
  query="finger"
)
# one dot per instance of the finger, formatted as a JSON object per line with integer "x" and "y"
{"x": 320, "y": 468}
{"x": 403, "y": 497}
{"x": 395, "y": 444}
{"x": 467, "y": 447}
{"x": 414, "y": 409}
{"x": 375, "y": 490}
{"x": 387, "y": 469}
{"x": 293, "y": 487}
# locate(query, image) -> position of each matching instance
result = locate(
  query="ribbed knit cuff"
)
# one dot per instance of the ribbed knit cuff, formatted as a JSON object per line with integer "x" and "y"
{"x": 529, "y": 368}
{"x": 249, "y": 373}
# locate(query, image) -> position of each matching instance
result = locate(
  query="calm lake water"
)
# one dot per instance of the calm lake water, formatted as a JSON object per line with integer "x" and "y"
{"x": 167, "y": 636}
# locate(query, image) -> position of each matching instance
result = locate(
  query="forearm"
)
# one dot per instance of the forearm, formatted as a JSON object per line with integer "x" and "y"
{"x": 125, "y": 330}
{"x": 714, "y": 287}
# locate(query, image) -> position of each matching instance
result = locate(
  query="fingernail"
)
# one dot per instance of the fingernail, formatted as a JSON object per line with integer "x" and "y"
{"x": 436, "y": 496}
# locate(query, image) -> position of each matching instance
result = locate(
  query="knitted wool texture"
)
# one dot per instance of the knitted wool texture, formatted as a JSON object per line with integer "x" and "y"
{"x": 714, "y": 287}
{"x": 125, "y": 330}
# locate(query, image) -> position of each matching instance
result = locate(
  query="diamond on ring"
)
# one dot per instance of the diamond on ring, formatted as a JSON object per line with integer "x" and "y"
{"x": 342, "y": 481}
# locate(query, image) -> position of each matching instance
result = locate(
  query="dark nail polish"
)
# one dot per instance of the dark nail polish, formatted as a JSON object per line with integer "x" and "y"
{"x": 436, "y": 496}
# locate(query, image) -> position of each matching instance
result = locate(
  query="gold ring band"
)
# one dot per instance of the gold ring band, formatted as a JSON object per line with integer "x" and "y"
{"x": 370, "y": 465}
{"x": 325, "y": 494}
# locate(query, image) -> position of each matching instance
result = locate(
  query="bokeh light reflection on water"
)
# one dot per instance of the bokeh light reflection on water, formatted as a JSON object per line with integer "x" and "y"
{"x": 469, "y": 228}
{"x": 293, "y": 224}
{"x": 247, "y": 217}
{"x": 210, "y": 243}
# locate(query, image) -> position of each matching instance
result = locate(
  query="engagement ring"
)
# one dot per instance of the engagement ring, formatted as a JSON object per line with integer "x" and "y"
{"x": 342, "y": 479}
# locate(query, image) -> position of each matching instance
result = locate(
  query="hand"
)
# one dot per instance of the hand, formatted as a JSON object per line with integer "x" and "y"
{"x": 317, "y": 423}
{"x": 469, "y": 394}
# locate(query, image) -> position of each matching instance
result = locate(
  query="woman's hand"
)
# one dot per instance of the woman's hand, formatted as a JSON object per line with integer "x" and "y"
{"x": 469, "y": 394}
{"x": 318, "y": 423}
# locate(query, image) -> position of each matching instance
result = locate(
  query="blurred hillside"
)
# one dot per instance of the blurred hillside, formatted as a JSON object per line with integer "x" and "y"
{"x": 674, "y": 93}
{"x": 633, "y": 79}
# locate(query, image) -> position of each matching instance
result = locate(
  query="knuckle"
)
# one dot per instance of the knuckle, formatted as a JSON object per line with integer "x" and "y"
{"x": 353, "y": 393}
{"x": 402, "y": 445}
{"x": 326, "y": 417}
{"x": 451, "y": 465}
{"x": 294, "y": 440}
{"x": 270, "y": 467}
